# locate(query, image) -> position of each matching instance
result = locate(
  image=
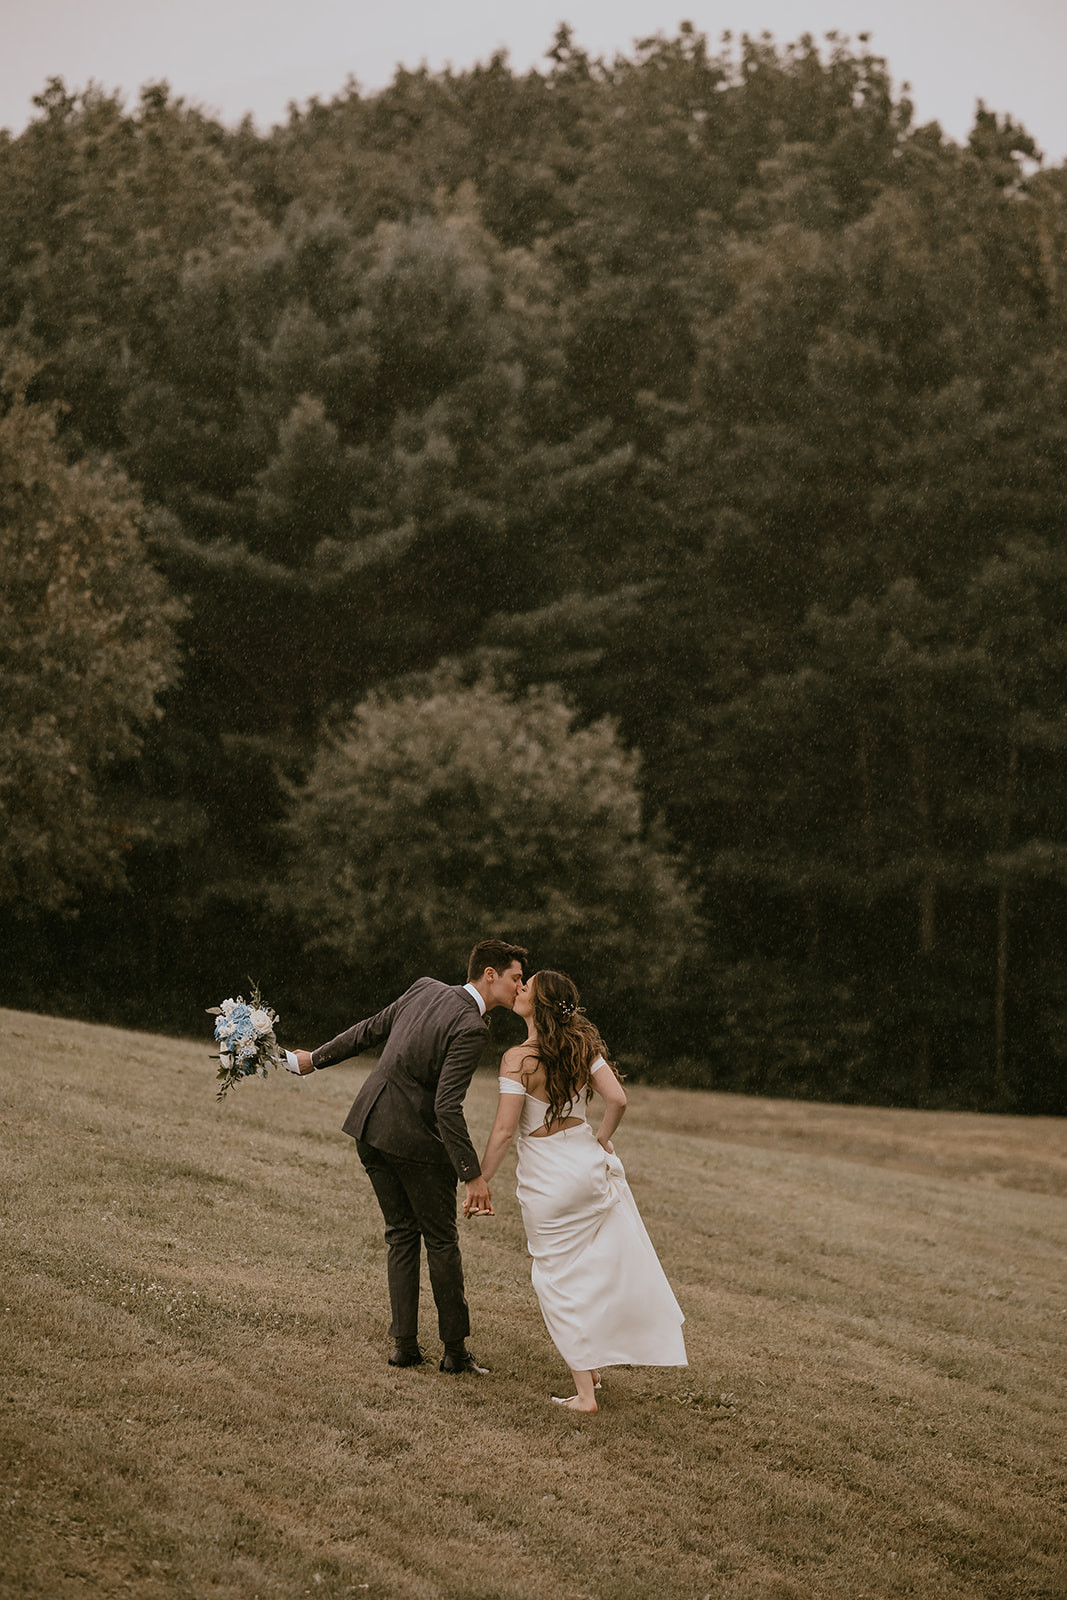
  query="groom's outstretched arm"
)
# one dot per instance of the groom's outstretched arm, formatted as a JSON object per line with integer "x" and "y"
{"x": 372, "y": 1030}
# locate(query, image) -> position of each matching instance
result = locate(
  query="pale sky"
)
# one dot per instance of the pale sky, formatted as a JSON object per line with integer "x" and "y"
{"x": 233, "y": 56}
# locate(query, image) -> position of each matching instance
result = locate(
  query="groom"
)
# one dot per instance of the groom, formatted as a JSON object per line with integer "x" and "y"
{"x": 411, "y": 1136}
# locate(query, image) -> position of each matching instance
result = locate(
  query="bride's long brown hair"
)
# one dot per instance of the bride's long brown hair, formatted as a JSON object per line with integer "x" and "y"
{"x": 567, "y": 1042}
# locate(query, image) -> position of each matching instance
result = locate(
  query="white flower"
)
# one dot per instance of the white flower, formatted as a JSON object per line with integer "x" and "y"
{"x": 227, "y": 1006}
{"x": 261, "y": 1021}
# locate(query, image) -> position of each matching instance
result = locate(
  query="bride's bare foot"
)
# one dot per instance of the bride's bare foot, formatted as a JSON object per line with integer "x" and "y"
{"x": 574, "y": 1403}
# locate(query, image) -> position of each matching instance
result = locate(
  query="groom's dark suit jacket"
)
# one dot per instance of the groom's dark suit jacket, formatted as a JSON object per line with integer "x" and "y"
{"x": 412, "y": 1103}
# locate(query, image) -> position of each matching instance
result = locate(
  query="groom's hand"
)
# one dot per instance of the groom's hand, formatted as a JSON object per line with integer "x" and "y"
{"x": 303, "y": 1062}
{"x": 478, "y": 1202}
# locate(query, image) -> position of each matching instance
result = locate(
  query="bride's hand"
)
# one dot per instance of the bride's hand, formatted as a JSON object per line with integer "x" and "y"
{"x": 606, "y": 1145}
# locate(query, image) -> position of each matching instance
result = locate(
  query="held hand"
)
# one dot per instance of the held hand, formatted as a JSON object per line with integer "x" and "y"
{"x": 478, "y": 1200}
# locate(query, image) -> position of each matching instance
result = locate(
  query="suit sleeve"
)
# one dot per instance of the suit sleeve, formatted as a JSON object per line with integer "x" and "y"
{"x": 372, "y": 1030}
{"x": 463, "y": 1056}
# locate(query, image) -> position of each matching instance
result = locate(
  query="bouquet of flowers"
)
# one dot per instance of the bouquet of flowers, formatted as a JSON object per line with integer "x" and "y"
{"x": 245, "y": 1037}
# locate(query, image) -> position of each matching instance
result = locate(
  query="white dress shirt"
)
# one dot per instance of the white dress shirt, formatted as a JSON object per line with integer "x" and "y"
{"x": 481, "y": 1003}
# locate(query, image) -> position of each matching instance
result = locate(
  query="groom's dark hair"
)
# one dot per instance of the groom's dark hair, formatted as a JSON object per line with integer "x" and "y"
{"x": 495, "y": 953}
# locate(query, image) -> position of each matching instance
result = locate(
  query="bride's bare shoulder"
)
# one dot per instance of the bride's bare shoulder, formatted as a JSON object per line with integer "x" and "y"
{"x": 520, "y": 1062}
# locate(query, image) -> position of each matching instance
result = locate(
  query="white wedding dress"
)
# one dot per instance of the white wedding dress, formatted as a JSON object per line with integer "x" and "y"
{"x": 602, "y": 1292}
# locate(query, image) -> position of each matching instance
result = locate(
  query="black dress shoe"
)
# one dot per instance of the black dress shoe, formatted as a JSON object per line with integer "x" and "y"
{"x": 406, "y": 1358}
{"x": 463, "y": 1363}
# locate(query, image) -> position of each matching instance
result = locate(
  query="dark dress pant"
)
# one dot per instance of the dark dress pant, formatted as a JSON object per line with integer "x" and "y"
{"x": 418, "y": 1202}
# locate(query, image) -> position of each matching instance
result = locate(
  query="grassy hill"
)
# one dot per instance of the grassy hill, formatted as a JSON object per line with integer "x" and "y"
{"x": 195, "y": 1400}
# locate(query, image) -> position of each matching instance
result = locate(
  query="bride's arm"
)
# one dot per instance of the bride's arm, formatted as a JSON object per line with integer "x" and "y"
{"x": 608, "y": 1086}
{"x": 508, "y": 1112}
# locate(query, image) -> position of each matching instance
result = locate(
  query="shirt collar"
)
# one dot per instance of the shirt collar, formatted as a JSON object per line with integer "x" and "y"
{"x": 481, "y": 1003}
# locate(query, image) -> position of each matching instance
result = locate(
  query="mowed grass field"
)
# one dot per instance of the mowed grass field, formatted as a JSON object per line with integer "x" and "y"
{"x": 195, "y": 1401}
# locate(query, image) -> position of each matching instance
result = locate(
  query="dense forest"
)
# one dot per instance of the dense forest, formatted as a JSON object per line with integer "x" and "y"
{"x": 621, "y": 506}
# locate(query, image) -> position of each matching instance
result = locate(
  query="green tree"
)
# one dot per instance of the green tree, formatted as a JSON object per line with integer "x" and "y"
{"x": 101, "y": 209}
{"x": 449, "y": 811}
{"x": 86, "y": 648}
{"x": 696, "y": 382}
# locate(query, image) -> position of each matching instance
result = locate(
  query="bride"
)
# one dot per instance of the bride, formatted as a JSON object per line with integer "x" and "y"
{"x": 603, "y": 1294}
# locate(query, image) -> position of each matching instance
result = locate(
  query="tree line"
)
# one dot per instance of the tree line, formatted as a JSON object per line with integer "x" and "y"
{"x": 620, "y": 506}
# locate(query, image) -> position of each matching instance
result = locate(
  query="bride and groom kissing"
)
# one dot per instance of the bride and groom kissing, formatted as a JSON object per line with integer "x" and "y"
{"x": 601, "y": 1289}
